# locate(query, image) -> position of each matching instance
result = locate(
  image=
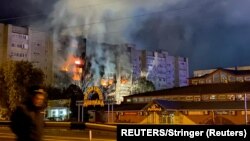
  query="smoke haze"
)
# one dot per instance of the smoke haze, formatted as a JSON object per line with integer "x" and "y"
{"x": 210, "y": 33}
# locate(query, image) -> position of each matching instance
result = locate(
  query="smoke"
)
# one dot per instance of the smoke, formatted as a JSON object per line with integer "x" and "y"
{"x": 210, "y": 33}
{"x": 100, "y": 22}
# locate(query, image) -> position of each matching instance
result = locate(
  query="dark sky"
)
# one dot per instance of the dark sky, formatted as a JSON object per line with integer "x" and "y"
{"x": 38, "y": 10}
{"x": 211, "y": 33}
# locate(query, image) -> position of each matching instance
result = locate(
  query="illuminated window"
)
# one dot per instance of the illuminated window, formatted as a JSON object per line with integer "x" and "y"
{"x": 194, "y": 82}
{"x": 197, "y": 98}
{"x": 231, "y": 97}
{"x": 189, "y": 98}
{"x": 212, "y": 97}
{"x": 222, "y": 97}
{"x": 129, "y": 100}
{"x": 224, "y": 77}
{"x": 239, "y": 97}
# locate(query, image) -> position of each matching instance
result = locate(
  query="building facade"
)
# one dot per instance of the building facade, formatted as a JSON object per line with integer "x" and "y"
{"x": 129, "y": 64}
{"x": 164, "y": 70}
{"x": 198, "y": 104}
{"x": 27, "y": 44}
{"x": 198, "y": 73}
{"x": 221, "y": 76}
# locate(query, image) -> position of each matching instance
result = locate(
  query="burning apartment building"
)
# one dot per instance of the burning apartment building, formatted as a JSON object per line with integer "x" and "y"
{"x": 120, "y": 66}
{"x": 70, "y": 61}
{"x": 115, "y": 68}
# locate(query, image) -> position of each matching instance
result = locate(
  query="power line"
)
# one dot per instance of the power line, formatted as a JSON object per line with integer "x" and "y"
{"x": 46, "y": 14}
{"x": 131, "y": 17}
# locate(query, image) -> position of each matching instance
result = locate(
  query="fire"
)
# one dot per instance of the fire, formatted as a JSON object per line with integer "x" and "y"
{"x": 124, "y": 80}
{"x": 77, "y": 62}
{"x": 111, "y": 81}
{"x": 73, "y": 65}
{"x": 104, "y": 82}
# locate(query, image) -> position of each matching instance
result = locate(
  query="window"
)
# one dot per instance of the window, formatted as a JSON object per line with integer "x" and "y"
{"x": 182, "y": 98}
{"x": 147, "y": 99}
{"x": 224, "y": 77}
{"x": 247, "y": 78}
{"x": 205, "y": 97}
{"x": 129, "y": 100}
{"x": 141, "y": 99}
{"x": 195, "y": 113}
{"x": 135, "y": 100}
{"x": 209, "y": 81}
{"x": 222, "y": 97}
{"x": 189, "y": 98}
{"x": 239, "y": 79}
{"x": 197, "y": 98}
{"x": 212, "y": 97}
{"x": 239, "y": 97}
{"x": 231, "y": 97}
{"x": 232, "y": 79}
{"x": 216, "y": 78}
{"x": 194, "y": 82}
{"x": 202, "y": 81}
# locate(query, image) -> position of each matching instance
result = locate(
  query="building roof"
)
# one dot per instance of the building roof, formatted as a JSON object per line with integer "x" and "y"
{"x": 127, "y": 107}
{"x": 219, "y": 88}
{"x": 184, "y": 105}
{"x": 233, "y": 72}
{"x": 217, "y": 105}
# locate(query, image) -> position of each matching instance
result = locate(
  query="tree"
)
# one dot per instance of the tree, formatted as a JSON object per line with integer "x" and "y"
{"x": 74, "y": 93}
{"x": 17, "y": 77}
{"x": 142, "y": 85}
{"x": 54, "y": 93}
{"x": 3, "y": 92}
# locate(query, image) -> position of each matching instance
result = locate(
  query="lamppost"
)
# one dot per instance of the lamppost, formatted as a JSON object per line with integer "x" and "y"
{"x": 245, "y": 100}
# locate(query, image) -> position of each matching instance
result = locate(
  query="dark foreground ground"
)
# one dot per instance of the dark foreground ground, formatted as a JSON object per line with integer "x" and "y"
{"x": 64, "y": 135}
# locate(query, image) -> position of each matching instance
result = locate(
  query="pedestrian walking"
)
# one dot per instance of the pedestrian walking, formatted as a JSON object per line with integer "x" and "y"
{"x": 27, "y": 121}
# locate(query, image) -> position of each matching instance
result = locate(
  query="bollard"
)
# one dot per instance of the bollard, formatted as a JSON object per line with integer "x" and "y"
{"x": 90, "y": 135}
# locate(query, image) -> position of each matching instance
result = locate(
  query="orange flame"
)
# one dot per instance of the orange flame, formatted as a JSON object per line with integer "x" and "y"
{"x": 124, "y": 80}
{"x": 73, "y": 65}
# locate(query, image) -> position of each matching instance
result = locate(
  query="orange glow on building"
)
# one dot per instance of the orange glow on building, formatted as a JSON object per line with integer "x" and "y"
{"x": 73, "y": 65}
{"x": 104, "y": 82}
{"x": 111, "y": 81}
{"x": 123, "y": 80}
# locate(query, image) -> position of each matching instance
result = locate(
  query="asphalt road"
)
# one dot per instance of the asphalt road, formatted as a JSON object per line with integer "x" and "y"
{"x": 64, "y": 135}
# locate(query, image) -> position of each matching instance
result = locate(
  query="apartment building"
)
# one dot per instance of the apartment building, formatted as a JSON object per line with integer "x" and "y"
{"x": 27, "y": 44}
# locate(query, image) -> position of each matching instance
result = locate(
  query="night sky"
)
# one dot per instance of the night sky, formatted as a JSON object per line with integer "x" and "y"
{"x": 211, "y": 33}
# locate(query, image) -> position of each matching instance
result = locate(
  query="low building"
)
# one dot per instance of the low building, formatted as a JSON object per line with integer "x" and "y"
{"x": 180, "y": 112}
{"x": 58, "y": 110}
{"x": 222, "y": 103}
{"x": 198, "y": 73}
{"x": 221, "y": 76}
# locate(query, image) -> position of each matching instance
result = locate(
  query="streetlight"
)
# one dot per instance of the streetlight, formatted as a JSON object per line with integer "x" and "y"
{"x": 245, "y": 100}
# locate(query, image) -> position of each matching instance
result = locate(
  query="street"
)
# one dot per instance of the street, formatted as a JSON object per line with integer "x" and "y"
{"x": 64, "y": 135}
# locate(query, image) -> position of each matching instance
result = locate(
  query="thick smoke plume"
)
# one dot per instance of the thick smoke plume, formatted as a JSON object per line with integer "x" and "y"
{"x": 210, "y": 33}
